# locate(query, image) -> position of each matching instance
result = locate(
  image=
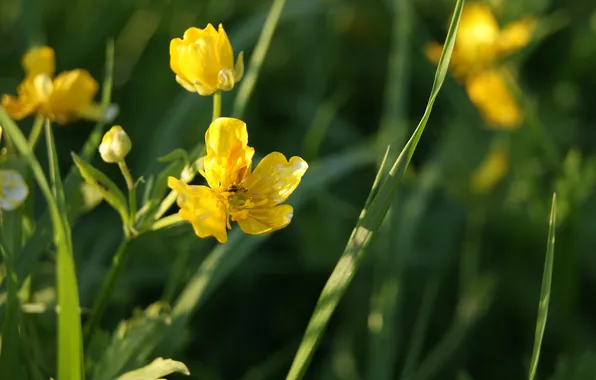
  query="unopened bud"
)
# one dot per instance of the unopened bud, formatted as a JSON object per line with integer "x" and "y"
{"x": 115, "y": 145}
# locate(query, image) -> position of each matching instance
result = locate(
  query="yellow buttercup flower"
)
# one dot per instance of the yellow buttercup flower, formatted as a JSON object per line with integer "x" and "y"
{"x": 491, "y": 171}
{"x": 488, "y": 91}
{"x": 480, "y": 41}
{"x": 13, "y": 190}
{"x": 235, "y": 191}
{"x": 203, "y": 61}
{"x": 66, "y": 97}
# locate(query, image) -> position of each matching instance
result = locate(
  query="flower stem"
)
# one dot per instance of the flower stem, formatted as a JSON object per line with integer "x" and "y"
{"x": 118, "y": 262}
{"x": 35, "y": 131}
{"x": 216, "y": 104}
{"x": 167, "y": 221}
{"x": 132, "y": 191}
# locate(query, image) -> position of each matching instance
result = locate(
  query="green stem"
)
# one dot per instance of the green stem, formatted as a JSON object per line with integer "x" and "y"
{"x": 216, "y": 105}
{"x": 35, "y": 131}
{"x": 132, "y": 191}
{"x": 107, "y": 288}
{"x": 168, "y": 221}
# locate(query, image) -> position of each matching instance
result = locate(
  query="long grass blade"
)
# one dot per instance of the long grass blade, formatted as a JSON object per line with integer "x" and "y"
{"x": 368, "y": 223}
{"x": 70, "y": 357}
{"x": 258, "y": 57}
{"x": 547, "y": 276}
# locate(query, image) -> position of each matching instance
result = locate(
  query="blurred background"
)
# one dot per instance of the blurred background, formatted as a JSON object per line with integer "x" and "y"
{"x": 450, "y": 287}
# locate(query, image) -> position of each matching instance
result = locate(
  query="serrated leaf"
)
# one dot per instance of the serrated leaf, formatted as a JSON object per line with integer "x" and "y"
{"x": 156, "y": 370}
{"x": 108, "y": 189}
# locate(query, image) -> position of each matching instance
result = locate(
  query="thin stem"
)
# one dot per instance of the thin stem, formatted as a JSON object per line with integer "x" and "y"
{"x": 107, "y": 288}
{"x": 35, "y": 131}
{"x": 168, "y": 221}
{"x": 165, "y": 205}
{"x": 132, "y": 191}
{"x": 216, "y": 104}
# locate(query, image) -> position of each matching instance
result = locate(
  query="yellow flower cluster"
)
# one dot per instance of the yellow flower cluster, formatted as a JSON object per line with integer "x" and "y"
{"x": 235, "y": 191}
{"x": 63, "y": 98}
{"x": 203, "y": 62}
{"x": 479, "y": 46}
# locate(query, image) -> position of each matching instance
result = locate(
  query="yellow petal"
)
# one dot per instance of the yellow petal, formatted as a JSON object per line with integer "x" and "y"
{"x": 260, "y": 221}
{"x": 13, "y": 189}
{"x": 192, "y": 34}
{"x": 73, "y": 92}
{"x": 198, "y": 62}
{"x": 275, "y": 178}
{"x": 491, "y": 96}
{"x": 17, "y": 108}
{"x": 516, "y": 35}
{"x": 39, "y": 60}
{"x": 175, "y": 46}
{"x": 229, "y": 158}
{"x": 491, "y": 171}
{"x": 224, "y": 50}
{"x": 200, "y": 206}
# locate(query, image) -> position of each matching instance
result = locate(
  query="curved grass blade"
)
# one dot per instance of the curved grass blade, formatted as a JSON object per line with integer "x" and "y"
{"x": 70, "y": 358}
{"x": 258, "y": 56}
{"x": 547, "y": 276}
{"x": 369, "y": 222}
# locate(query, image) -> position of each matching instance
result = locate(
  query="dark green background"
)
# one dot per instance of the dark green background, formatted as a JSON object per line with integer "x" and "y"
{"x": 332, "y": 56}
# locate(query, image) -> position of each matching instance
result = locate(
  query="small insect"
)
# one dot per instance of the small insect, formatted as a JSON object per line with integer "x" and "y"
{"x": 236, "y": 189}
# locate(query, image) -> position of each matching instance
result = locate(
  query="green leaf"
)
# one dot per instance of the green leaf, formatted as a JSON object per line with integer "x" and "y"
{"x": 131, "y": 340}
{"x": 547, "y": 276}
{"x": 369, "y": 222}
{"x": 156, "y": 370}
{"x": 108, "y": 189}
{"x": 70, "y": 358}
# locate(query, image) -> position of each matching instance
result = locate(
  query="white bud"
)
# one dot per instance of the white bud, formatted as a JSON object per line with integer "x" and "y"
{"x": 115, "y": 145}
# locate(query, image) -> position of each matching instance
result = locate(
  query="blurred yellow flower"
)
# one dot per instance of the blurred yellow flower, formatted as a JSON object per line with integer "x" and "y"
{"x": 203, "y": 60}
{"x": 491, "y": 171}
{"x": 251, "y": 198}
{"x": 66, "y": 97}
{"x": 13, "y": 190}
{"x": 488, "y": 91}
{"x": 480, "y": 41}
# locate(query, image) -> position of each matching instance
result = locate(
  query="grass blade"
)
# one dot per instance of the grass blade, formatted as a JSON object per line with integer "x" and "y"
{"x": 9, "y": 353}
{"x": 258, "y": 56}
{"x": 70, "y": 357}
{"x": 368, "y": 223}
{"x": 547, "y": 276}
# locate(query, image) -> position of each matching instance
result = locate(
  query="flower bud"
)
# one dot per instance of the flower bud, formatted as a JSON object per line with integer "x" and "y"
{"x": 115, "y": 145}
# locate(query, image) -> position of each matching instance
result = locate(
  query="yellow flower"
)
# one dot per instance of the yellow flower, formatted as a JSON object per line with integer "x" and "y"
{"x": 480, "y": 41}
{"x": 13, "y": 190}
{"x": 491, "y": 171}
{"x": 203, "y": 61}
{"x": 488, "y": 91}
{"x": 66, "y": 97}
{"x": 115, "y": 145}
{"x": 235, "y": 191}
